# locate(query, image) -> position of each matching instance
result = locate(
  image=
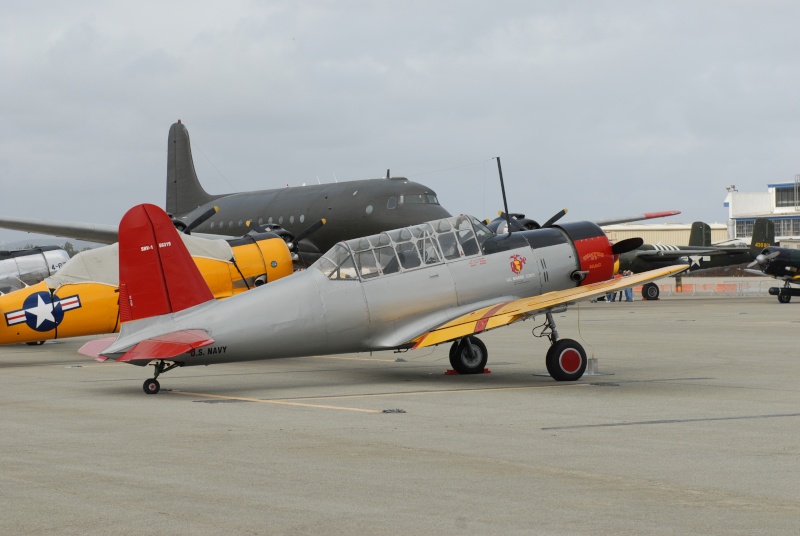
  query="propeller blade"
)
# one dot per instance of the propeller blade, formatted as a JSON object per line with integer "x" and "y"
{"x": 762, "y": 259}
{"x": 518, "y": 222}
{"x": 624, "y": 246}
{"x": 200, "y": 219}
{"x": 313, "y": 228}
{"x": 555, "y": 218}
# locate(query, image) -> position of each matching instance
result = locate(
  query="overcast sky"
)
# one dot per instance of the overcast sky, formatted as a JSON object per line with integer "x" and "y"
{"x": 606, "y": 108}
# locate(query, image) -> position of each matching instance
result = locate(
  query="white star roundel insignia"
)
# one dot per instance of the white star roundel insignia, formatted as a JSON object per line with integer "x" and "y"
{"x": 41, "y": 312}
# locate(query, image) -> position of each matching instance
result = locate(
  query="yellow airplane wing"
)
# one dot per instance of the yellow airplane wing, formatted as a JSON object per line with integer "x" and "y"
{"x": 502, "y": 314}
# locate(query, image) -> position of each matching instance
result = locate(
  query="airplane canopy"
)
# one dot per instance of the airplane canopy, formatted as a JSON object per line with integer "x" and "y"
{"x": 404, "y": 249}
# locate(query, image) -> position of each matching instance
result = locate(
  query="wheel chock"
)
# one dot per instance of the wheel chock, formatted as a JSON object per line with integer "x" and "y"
{"x": 451, "y": 372}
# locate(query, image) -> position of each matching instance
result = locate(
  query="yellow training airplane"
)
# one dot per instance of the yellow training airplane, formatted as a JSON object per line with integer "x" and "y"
{"x": 82, "y": 298}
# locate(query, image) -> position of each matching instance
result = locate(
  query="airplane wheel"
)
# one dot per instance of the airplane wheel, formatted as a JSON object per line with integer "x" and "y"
{"x": 650, "y": 291}
{"x": 35, "y": 343}
{"x": 465, "y": 362}
{"x": 566, "y": 360}
{"x": 151, "y": 386}
{"x": 784, "y": 297}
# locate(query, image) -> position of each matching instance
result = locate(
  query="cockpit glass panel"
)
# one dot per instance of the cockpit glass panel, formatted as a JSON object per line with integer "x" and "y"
{"x": 359, "y": 244}
{"x": 414, "y": 198}
{"x": 337, "y": 254}
{"x": 443, "y": 226}
{"x": 392, "y": 202}
{"x": 366, "y": 264}
{"x": 418, "y": 231}
{"x": 468, "y": 243}
{"x": 325, "y": 266}
{"x": 432, "y": 199}
{"x": 387, "y": 260}
{"x": 337, "y": 264}
{"x": 345, "y": 271}
{"x": 400, "y": 235}
{"x": 428, "y": 251}
{"x": 408, "y": 256}
{"x": 449, "y": 246}
{"x": 481, "y": 231}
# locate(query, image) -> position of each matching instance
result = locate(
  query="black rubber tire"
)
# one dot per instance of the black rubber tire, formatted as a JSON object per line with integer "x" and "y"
{"x": 151, "y": 386}
{"x": 35, "y": 343}
{"x": 566, "y": 360}
{"x": 784, "y": 297}
{"x": 650, "y": 291}
{"x": 464, "y": 363}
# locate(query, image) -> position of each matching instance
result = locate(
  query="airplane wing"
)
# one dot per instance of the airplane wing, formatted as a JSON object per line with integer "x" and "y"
{"x": 161, "y": 347}
{"x": 502, "y": 314}
{"x": 674, "y": 254}
{"x": 638, "y": 217}
{"x": 93, "y": 232}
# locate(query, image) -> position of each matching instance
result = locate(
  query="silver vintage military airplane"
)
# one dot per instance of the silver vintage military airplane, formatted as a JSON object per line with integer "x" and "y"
{"x": 22, "y": 267}
{"x": 443, "y": 281}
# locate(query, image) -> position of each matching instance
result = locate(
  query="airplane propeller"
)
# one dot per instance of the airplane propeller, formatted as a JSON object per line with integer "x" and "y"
{"x": 624, "y": 246}
{"x": 520, "y": 223}
{"x": 187, "y": 228}
{"x": 763, "y": 260}
{"x": 292, "y": 242}
{"x": 560, "y": 214}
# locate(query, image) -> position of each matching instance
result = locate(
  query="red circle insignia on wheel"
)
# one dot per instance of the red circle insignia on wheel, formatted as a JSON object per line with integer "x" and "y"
{"x": 570, "y": 360}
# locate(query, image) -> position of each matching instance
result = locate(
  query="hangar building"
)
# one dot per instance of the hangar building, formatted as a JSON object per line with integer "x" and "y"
{"x": 780, "y": 203}
{"x": 662, "y": 233}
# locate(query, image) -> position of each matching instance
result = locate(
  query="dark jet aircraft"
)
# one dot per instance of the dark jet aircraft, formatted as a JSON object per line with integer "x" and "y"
{"x": 351, "y": 209}
{"x": 696, "y": 255}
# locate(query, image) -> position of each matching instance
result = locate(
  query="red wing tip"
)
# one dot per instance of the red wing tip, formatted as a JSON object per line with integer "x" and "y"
{"x": 662, "y": 214}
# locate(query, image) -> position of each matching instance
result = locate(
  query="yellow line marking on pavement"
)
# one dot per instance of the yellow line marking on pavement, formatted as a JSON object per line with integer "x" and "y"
{"x": 449, "y": 391}
{"x": 278, "y": 402}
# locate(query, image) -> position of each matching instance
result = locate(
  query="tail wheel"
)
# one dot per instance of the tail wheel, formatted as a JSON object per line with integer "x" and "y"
{"x": 650, "y": 291}
{"x": 151, "y": 386}
{"x": 784, "y": 297}
{"x": 468, "y": 358}
{"x": 566, "y": 360}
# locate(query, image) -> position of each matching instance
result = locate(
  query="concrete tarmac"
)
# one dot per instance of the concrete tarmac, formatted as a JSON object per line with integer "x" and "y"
{"x": 692, "y": 427}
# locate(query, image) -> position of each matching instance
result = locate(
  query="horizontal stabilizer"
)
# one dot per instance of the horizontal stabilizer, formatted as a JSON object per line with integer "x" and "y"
{"x": 168, "y": 346}
{"x": 95, "y": 348}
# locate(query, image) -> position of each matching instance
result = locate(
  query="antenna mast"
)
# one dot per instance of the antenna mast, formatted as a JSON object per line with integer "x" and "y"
{"x": 503, "y": 189}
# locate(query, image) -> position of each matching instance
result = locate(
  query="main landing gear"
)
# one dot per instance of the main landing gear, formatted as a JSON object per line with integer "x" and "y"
{"x": 152, "y": 386}
{"x": 784, "y": 293}
{"x": 565, "y": 359}
{"x": 650, "y": 291}
{"x": 468, "y": 355}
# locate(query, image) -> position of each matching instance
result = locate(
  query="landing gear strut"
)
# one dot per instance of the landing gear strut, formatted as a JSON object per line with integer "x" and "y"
{"x": 566, "y": 358}
{"x": 785, "y": 296}
{"x": 152, "y": 386}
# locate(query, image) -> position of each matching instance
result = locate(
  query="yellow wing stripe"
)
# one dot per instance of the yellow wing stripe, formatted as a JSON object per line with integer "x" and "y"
{"x": 506, "y": 313}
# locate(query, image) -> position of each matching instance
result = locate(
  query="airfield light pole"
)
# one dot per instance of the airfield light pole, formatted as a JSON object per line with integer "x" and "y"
{"x": 503, "y": 189}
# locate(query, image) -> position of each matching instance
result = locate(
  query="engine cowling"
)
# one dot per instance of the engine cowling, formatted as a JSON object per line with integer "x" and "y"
{"x": 593, "y": 250}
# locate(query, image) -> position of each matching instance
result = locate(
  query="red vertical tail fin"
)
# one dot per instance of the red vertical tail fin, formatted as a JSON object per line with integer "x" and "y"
{"x": 156, "y": 273}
